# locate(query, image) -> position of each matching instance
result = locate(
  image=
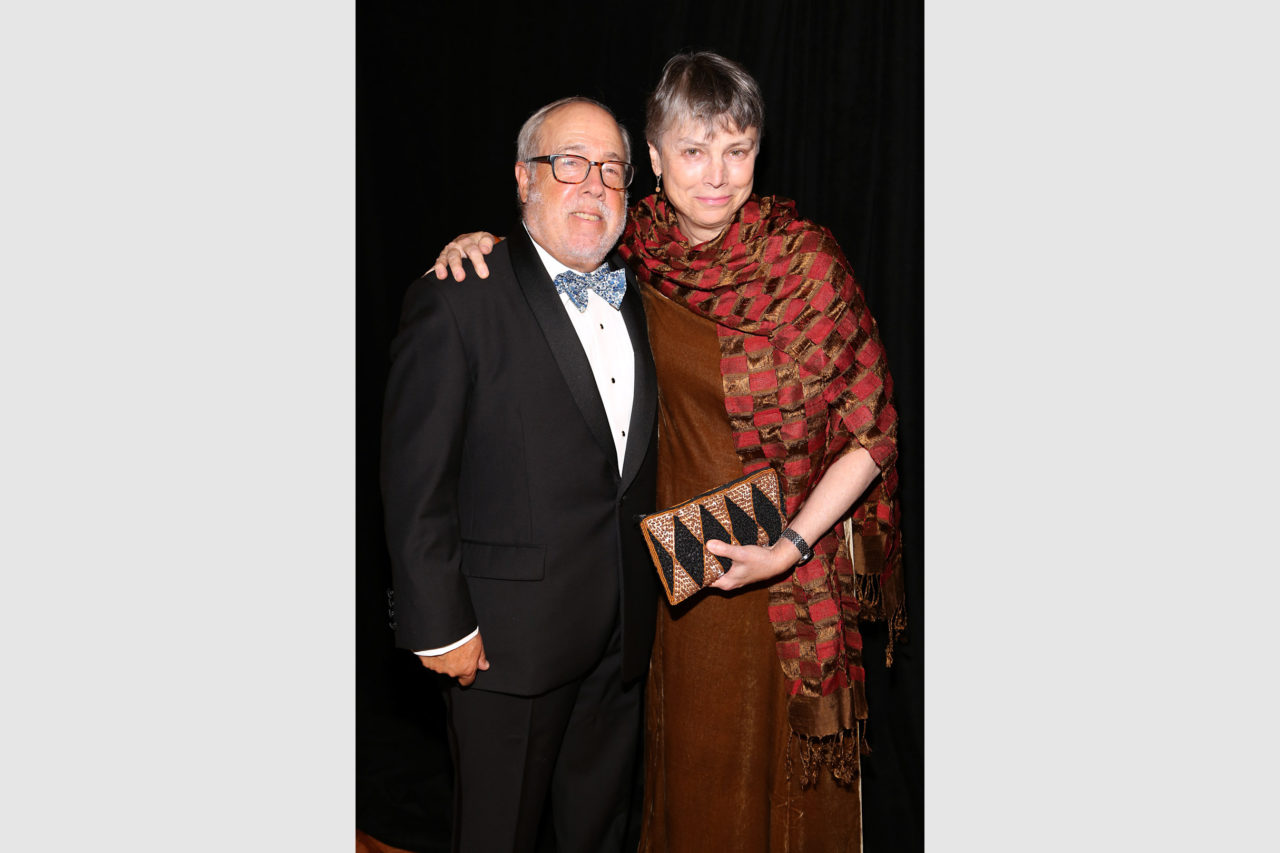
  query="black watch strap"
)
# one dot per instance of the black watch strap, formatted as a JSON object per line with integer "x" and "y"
{"x": 806, "y": 553}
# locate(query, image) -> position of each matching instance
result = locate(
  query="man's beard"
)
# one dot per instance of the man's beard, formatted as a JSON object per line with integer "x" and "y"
{"x": 597, "y": 253}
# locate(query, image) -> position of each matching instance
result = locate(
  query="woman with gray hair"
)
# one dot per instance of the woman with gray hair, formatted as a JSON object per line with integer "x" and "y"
{"x": 767, "y": 355}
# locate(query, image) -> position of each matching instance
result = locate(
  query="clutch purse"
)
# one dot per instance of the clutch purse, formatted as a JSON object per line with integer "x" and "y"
{"x": 746, "y": 511}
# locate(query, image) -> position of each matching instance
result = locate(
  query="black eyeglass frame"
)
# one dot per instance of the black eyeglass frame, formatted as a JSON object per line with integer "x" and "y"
{"x": 628, "y": 169}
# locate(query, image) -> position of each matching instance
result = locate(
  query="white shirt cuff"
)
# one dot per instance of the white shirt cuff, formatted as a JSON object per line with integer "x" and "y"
{"x": 430, "y": 653}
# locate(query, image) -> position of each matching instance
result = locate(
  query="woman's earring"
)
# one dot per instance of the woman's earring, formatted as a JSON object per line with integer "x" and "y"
{"x": 658, "y": 189}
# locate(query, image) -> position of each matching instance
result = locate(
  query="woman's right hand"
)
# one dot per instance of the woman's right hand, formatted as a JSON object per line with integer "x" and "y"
{"x": 475, "y": 246}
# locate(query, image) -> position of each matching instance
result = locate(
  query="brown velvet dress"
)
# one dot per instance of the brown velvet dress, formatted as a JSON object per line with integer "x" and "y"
{"x": 716, "y": 713}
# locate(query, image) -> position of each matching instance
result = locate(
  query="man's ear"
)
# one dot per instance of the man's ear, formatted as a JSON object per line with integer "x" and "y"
{"x": 522, "y": 181}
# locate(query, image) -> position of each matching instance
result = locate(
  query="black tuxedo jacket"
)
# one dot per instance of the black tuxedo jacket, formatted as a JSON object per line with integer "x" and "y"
{"x": 504, "y": 504}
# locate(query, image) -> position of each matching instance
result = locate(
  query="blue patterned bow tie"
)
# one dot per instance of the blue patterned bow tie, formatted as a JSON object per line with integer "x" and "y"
{"x": 610, "y": 284}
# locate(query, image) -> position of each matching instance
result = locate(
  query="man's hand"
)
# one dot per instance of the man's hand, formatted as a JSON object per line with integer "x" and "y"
{"x": 460, "y": 663}
{"x": 475, "y": 246}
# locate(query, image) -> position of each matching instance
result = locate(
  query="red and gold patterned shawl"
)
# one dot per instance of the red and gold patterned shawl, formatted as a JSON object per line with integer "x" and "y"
{"x": 805, "y": 381}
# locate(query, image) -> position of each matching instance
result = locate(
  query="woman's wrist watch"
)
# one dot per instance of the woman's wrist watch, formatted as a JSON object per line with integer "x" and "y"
{"x": 806, "y": 553}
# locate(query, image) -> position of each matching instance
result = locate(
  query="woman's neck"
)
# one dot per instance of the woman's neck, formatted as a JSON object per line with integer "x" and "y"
{"x": 697, "y": 236}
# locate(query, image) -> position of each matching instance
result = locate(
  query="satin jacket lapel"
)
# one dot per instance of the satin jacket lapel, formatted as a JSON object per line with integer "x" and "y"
{"x": 548, "y": 310}
{"x": 644, "y": 402}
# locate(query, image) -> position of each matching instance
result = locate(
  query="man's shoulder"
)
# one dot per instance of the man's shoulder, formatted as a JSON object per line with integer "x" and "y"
{"x": 498, "y": 261}
{"x": 472, "y": 289}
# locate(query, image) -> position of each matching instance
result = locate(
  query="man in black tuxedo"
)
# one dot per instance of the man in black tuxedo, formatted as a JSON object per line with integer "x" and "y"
{"x": 519, "y": 446}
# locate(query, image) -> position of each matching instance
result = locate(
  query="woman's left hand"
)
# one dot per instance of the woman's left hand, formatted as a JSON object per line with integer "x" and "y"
{"x": 751, "y": 563}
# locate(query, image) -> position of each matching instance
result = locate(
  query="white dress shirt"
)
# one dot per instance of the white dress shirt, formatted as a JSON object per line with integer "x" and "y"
{"x": 604, "y": 338}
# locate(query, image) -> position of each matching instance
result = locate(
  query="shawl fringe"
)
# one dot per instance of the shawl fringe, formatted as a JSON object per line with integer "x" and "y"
{"x": 879, "y": 588}
{"x": 839, "y": 754}
{"x": 874, "y": 608}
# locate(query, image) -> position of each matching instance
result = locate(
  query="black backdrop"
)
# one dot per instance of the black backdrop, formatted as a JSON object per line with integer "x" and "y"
{"x": 441, "y": 94}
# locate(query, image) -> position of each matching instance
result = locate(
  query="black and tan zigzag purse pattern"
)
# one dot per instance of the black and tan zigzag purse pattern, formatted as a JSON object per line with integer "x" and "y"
{"x": 746, "y": 511}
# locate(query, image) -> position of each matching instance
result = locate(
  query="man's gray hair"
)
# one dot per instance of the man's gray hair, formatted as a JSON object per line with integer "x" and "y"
{"x": 528, "y": 141}
{"x": 707, "y": 88}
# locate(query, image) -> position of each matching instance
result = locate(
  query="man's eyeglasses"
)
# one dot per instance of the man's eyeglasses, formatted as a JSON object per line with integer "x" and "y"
{"x": 572, "y": 169}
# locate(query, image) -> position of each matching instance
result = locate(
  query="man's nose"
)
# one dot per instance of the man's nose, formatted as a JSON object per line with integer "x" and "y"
{"x": 594, "y": 182}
